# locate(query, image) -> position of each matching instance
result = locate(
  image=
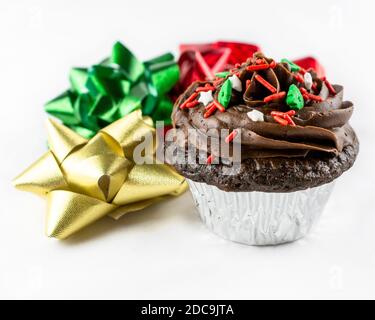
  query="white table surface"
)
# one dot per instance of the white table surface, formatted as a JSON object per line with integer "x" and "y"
{"x": 165, "y": 251}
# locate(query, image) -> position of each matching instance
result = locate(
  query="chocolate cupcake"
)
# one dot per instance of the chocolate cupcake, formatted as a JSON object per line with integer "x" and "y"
{"x": 260, "y": 146}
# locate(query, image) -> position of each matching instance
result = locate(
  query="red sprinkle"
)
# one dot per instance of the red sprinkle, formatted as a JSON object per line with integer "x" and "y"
{"x": 191, "y": 104}
{"x": 314, "y": 86}
{"x": 314, "y": 97}
{"x": 205, "y": 88}
{"x": 281, "y": 114}
{"x": 280, "y": 120}
{"x": 235, "y": 72}
{"x": 259, "y": 61}
{"x": 299, "y": 78}
{"x": 237, "y": 65}
{"x": 289, "y": 119}
{"x": 211, "y": 110}
{"x": 257, "y": 67}
{"x": 302, "y": 71}
{"x": 248, "y": 83}
{"x": 265, "y": 83}
{"x": 329, "y": 86}
{"x": 210, "y": 159}
{"x": 275, "y": 96}
{"x": 190, "y": 99}
{"x": 303, "y": 90}
{"x": 219, "y": 106}
{"x": 231, "y": 136}
{"x": 277, "y": 115}
{"x": 273, "y": 64}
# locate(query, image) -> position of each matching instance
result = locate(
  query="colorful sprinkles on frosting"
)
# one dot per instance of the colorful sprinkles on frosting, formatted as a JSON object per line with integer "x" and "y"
{"x": 294, "y": 98}
{"x": 265, "y": 83}
{"x": 205, "y": 97}
{"x": 236, "y": 83}
{"x": 284, "y": 118}
{"x": 293, "y": 66}
{"x": 225, "y": 93}
{"x": 307, "y": 78}
{"x": 190, "y": 99}
{"x": 329, "y": 86}
{"x": 222, "y": 74}
{"x": 256, "y": 116}
{"x": 216, "y": 95}
{"x": 275, "y": 96}
{"x": 207, "y": 87}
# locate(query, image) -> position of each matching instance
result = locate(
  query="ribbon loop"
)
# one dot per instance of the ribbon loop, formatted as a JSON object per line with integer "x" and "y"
{"x": 120, "y": 84}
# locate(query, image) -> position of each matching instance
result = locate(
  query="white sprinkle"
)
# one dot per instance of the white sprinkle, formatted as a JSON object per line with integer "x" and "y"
{"x": 205, "y": 97}
{"x": 255, "y": 115}
{"x": 308, "y": 80}
{"x": 236, "y": 83}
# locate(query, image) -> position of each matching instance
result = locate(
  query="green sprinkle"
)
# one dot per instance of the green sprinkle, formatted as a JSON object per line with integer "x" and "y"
{"x": 292, "y": 65}
{"x": 225, "y": 93}
{"x": 294, "y": 98}
{"x": 222, "y": 74}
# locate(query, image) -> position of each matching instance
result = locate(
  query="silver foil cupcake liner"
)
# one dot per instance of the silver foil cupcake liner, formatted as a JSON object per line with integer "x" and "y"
{"x": 259, "y": 218}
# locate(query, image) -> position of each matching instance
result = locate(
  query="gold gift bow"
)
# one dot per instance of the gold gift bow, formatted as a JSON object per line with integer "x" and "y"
{"x": 85, "y": 180}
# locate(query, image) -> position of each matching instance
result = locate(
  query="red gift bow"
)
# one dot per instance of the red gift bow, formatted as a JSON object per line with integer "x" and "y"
{"x": 310, "y": 62}
{"x": 202, "y": 61}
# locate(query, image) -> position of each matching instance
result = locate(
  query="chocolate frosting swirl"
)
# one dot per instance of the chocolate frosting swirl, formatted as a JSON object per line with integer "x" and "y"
{"x": 319, "y": 126}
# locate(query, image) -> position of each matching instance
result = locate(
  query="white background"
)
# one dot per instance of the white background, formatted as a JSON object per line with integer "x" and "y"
{"x": 165, "y": 251}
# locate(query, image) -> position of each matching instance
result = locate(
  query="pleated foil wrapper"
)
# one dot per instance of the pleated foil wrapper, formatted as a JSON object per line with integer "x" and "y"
{"x": 259, "y": 218}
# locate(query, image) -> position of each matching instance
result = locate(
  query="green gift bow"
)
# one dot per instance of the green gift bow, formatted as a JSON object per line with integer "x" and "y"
{"x": 114, "y": 88}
